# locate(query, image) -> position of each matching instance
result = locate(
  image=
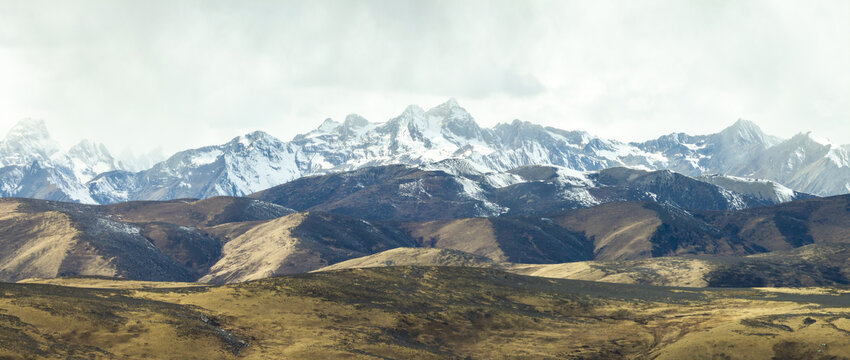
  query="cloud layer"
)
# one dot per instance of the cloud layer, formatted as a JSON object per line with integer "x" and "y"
{"x": 180, "y": 74}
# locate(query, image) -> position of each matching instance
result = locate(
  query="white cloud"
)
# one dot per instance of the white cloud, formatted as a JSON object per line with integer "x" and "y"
{"x": 188, "y": 73}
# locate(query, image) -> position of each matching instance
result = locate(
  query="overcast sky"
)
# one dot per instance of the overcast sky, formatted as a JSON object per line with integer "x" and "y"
{"x": 182, "y": 74}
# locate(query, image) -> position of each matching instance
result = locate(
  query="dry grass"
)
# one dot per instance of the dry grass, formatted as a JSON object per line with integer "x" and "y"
{"x": 414, "y": 257}
{"x": 474, "y": 236}
{"x": 37, "y": 245}
{"x": 94, "y": 282}
{"x": 265, "y": 250}
{"x": 619, "y": 230}
{"x": 421, "y": 313}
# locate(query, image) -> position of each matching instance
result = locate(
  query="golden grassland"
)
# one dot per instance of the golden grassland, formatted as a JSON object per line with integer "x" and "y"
{"x": 417, "y": 313}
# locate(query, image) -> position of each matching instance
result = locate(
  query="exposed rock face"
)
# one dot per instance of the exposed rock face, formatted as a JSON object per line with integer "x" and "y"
{"x": 397, "y": 192}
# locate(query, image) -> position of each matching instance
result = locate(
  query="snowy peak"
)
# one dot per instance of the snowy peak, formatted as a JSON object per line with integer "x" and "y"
{"x": 745, "y": 132}
{"x": 328, "y": 125}
{"x": 256, "y": 138}
{"x": 839, "y": 156}
{"x": 88, "y": 147}
{"x": 88, "y": 159}
{"x": 246, "y": 164}
{"x": 354, "y": 121}
{"x": 519, "y": 132}
{"x": 239, "y": 146}
{"x": 28, "y": 129}
{"x": 33, "y": 166}
{"x": 446, "y": 135}
{"x": 449, "y": 110}
{"x": 411, "y": 123}
{"x": 456, "y": 121}
{"x": 450, "y": 103}
{"x": 807, "y": 140}
{"x": 758, "y": 188}
{"x": 440, "y": 133}
{"x": 447, "y": 114}
{"x": 412, "y": 112}
{"x": 802, "y": 148}
{"x": 91, "y": 152}
{"x": 331, "y": 130}
{"x": 26, "y": 142}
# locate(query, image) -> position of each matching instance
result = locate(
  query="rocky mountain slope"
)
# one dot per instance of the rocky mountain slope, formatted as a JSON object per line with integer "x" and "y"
{"x": 146, "y": 241}
{"x": 636, "y": 230}
{"x": 39, "y": 241}
{"x": 296, "y": 243}
{"x": 226, "y": 239}
{"x": 445, "y": 137}
{"x": 405, "y": 193}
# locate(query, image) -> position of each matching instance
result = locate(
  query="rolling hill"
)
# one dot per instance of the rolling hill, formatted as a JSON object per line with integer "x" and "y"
{"x": 810, "y": 265}
{"x": 225, "y": 239}
{"x": 419, "y": 312}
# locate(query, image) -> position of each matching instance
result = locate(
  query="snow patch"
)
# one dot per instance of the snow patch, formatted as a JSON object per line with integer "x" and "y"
{"x": 206, "y": 158}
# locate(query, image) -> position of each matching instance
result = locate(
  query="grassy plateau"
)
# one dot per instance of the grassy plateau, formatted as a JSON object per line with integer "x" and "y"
{"x": 415, "y": 312}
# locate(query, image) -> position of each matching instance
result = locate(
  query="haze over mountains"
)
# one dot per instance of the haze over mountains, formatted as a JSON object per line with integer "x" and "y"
{"x": 443, "y": 138}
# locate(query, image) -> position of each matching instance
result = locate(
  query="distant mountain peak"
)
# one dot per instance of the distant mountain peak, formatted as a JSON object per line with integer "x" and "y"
{"x": 354, "y": 121}
{"x": 804, "y": 137}
{"x": 26, "y": 142}
{"x": 519, "y": 125}
{"x": 449, "y": 109}
{"x": 88, "y": 159}
{"x": 744, "y": 123}
{"x": 746, "y": 132}
{"x": 742, "y": 126}
{"x": 257, "y": 160}
{"x": 329, "y": 125}
{"x": 820, "y": 140}
{"x": 88, "y": 146}
{"x": 34, "y": 132}
{"x": 29, "y": 127}
{"x": 253, "y": 137}
{"x": 412, "y": 111}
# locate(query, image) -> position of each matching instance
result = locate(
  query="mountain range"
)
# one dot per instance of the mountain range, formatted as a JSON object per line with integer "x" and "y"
{"x": 424, "y": 226}
{"x": 444, "y": 138}
{"x": 235, "y": 239}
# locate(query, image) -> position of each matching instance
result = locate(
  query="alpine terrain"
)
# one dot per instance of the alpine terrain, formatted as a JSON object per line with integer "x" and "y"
{"x": 445, "y": 137}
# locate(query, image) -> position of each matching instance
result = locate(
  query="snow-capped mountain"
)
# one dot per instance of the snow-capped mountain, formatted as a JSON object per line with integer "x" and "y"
{"x": 447, "y": 131}
{"x": 88, "y": 159}
{"x": 805, "y": 163}
{"x": 27, "y": 142}
{"x": 244, "y": 165}
{"x": 802, "y": 163}
{"x": 766, "y": 190}
{"x": 444, "y": 137}
{"x": 414, "y": 137}
{"x": 32, "y": 165}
